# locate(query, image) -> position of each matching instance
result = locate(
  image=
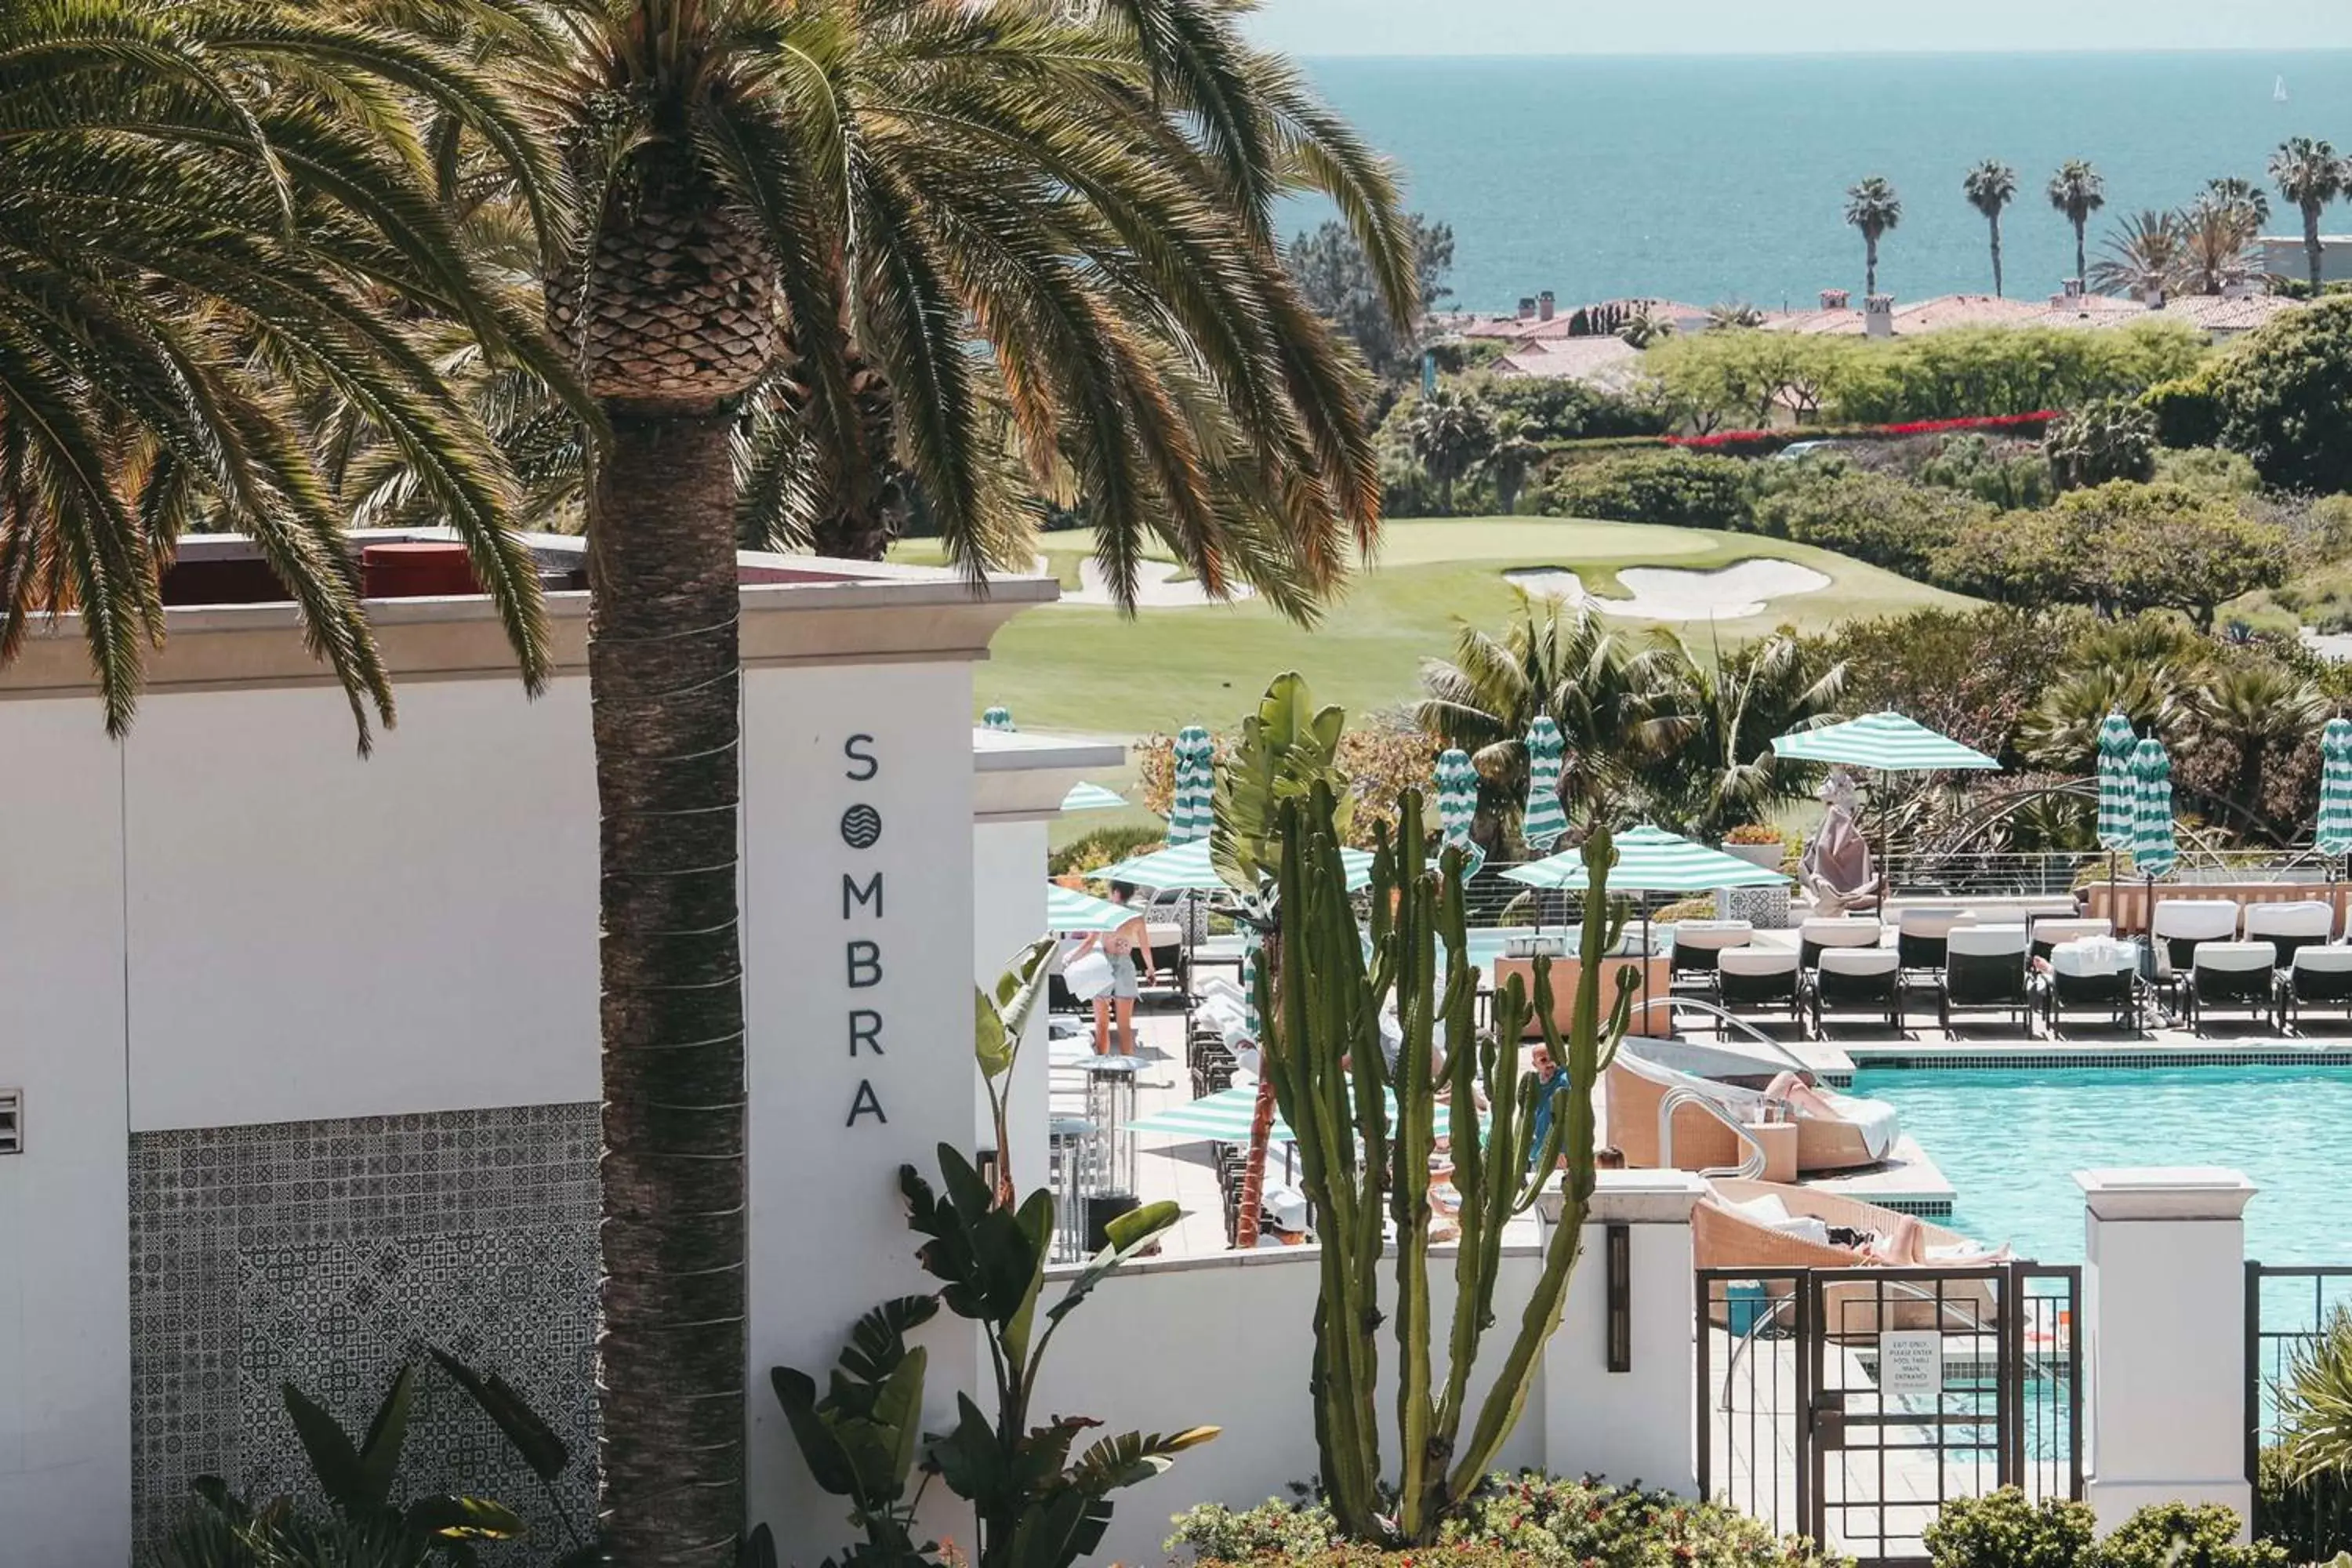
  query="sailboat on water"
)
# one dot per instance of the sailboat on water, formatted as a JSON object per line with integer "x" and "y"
{"x": 2278, "y": 92}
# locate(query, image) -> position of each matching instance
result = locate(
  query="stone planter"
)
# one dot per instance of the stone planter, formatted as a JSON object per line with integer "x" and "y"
{"x": 1768, "y": 855}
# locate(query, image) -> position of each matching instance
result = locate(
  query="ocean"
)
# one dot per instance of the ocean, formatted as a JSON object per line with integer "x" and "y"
{"x": 1711, "y": 178}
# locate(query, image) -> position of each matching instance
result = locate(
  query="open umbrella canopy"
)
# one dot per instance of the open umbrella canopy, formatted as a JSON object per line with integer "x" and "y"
{"x": 2116, "y": 795}
{"x": 1224, "y": 1117}
{"x": 1092, "y": 797}
{"x": 1187, "y": 869}
{"x": 2335, "y": 834}
{"x": 1652, "y": 860}
{"x": 1885, "y": 742}
{"x": 1068, "y": 909}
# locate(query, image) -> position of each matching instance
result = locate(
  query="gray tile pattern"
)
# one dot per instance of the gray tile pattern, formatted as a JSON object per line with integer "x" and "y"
{"x": 322, "y": 1254}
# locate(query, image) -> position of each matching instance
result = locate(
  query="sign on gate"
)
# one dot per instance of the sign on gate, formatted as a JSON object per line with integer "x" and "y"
{"x": 1911, "y": 1361}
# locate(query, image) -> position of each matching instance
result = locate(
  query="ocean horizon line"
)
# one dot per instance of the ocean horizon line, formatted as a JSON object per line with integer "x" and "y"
{"x": 1519, "y": 56}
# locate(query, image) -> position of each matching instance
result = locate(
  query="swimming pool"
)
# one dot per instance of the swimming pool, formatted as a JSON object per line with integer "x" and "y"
{"x": 2010, "y": 1141}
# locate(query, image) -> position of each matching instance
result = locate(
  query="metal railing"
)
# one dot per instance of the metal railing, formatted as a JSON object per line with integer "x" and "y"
{"x": 1674, "y": 1099}
{"x": 2287, "y": 1311}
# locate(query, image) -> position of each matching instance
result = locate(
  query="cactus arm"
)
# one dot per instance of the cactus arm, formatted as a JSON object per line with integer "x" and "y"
{"x": 1409, "y": 1186}
{"x": 1473, "y": 1169}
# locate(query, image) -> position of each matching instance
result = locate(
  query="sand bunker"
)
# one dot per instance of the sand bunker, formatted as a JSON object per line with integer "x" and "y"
{"x": 1159, "y": 587}
{"x": 1669, "y": 594}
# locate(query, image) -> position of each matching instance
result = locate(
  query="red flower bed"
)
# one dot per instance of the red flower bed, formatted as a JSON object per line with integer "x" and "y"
{"x": 1739, "y": 440}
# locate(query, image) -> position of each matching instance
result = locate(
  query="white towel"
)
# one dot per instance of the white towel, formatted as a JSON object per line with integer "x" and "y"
{"x": 1879, "y": 1122}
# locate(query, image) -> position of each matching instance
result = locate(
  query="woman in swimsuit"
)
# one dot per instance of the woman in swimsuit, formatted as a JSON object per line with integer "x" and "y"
{"x": 1120, "y": 946}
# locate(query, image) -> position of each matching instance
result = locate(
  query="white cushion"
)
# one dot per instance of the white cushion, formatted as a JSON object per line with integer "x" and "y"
{"x": 1758, "y": 961}
{"x": 1766, "y": 1210}
{"x": 2196, "y": 919}
{"x": 1988, "y": 941}
{"x": 1842, "y": 933}
{"x": 2236, "y": 956}
{"x": 1997, "y": 915}
{"x": 2330, "y": 959}
{"x": 2095, "y": 956}
{"x": 1860, "y": 960}
{"x": 2308, "y": 918}
{"x": 2070, "y": 930}
{"x": 1929, "y": 922}
{"x": 1713, "y": 934}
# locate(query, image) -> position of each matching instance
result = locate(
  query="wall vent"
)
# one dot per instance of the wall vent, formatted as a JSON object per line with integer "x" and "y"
{"x": 12, "y": 1120}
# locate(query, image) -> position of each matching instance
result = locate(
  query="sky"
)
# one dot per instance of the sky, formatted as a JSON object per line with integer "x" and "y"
{"x": 1312, "y": 27}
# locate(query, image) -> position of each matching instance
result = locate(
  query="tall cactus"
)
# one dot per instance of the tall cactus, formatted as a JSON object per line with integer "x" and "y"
{"x": 1362, "y": 1170}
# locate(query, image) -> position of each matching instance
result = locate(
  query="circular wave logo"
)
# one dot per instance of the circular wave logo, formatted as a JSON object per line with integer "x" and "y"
{"x": 861, "y": 826}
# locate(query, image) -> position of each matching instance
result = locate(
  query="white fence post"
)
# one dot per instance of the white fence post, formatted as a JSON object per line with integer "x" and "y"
{"x": 1638, "y": 1423}
{"x": 2164, "y": 1301}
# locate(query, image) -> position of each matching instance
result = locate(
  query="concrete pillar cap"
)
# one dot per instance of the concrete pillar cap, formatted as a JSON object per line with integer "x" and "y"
{"x": 2167, "y": 1192}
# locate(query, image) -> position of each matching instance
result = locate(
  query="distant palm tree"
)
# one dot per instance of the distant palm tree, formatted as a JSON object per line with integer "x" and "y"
{"x": 1514, "y": 456}
{"x": 1451, "y": 432}
{"x": 1708, "y": 721}
{"x": 2258, "y": 711}
{"x": 2247, "y": 195}
{"x": 1991, "y": 186}
{"x": 1873, "y": 208}
{"x": 2147, "y": 252}
{"x": 2078, "y": 190}
{"x": 2309, "y": 174}
{"x": 1729, "y": 314}
{"x": 2217, "y": 232}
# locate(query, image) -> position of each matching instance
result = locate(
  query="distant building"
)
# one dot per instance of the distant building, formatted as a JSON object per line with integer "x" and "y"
{"x": 2283, "y": 256}
{"x": 2219, "y": 316}
{"x": 1607, "y": 364}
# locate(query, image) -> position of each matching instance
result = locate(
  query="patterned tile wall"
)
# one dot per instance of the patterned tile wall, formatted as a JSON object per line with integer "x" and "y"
{"x": 322, "y": 1254}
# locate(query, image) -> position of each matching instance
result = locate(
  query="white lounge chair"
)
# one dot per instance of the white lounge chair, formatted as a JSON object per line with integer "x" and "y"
{"x": 2322, "y": 974}
{"x": 1919, "y": 935}
{"x": 1753, "y": 979}
{"x": 1858, "y": 977}
{"x": 1984, "y": 968}
{"x": 1817, "y": 935}
{"x": 2049, "y": 933}
{"x": 1699, "y": 943}
{"x": 2290, "y": 927}
{"x": 1862, "y": 1133}
{"x": 2231, "y": 974}
{"x": 2084, "y": 973}
{"x": 2179, "y": 924}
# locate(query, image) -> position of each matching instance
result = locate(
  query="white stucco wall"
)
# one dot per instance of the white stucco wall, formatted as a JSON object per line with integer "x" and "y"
{"x": 1008, "y": 864}
{"x": 828, "y": 1231}
{"x": 65, "y": 1314}
{"x": 314, "y": 934}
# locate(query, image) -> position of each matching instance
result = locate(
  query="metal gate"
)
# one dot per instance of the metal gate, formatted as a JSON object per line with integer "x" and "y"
{"x": 1850, "y": 1404}
{"x": 2287, "y": 1312}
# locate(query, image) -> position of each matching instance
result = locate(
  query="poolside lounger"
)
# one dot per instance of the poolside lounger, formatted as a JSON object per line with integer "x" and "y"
{"x": 1999, "y": 915}
{"x": 2232, "y": 976}
{"x": 1775, "y": 1226}
{"x": 2084, "y": 973}
{"x": 1698, "y": 944}
{"x": 1756, "y": 979}
{"x": 1984, "y": 969}
{"x": 1863, "y": 1132}
{"x": 1919, "y": 935}
{"x": 2179, "y": 924}
{"x": 2049, "y": 933}
{"x": 2321, "y": 974}
{"x": 2291, "y": 927}
{"x": 1817, "y": 935}
{"x": 1858, "y": 977}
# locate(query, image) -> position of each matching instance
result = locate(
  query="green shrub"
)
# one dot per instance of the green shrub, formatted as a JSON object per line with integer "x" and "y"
{"x": 2001, "y": 1529}
{"x": 2185, "y": 1535}
{"x": 2187, "y": 413}
{"x": 1690, "y": 490}
{"x": 1551, "y": 408}
{"x": 1104, "y": 846}
{"x": 2311, "y": 1518}
{"x": 2007, "y": 474}
{"x": 2209, "y": 469}
{"x": 1871, "y": 517}
{"x": 2106, "y": 438}
{"x": 1529, "y": 1520}
{"x": 2284, "y": 398}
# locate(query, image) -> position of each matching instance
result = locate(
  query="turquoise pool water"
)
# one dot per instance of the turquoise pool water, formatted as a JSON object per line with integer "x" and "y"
{"x": 2010, "y": 1141}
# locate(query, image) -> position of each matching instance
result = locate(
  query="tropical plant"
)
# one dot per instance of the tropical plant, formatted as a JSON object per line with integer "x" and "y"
{"x": 1989, "y": 187}
{"x": 1035, "y": 1507}
{"x": 1029, "y": 226}
{"x": 2061, "y": 732}
{"x": 1706, "y": 725}
{"x": 2217, "y": 237}
{"x": 2258, "y": 711}
{"x": 1364, "y": 1170}
{"x": 1731, "y": 314}
{"x": 1873, "y": 208}
{"x": 1513, "y": 457}
{"x": 1644, "y": 330}
{"x": 1004, "y": 1010}
{"x": 1451, "y": 432}
{"x": 2107, "y": 438}
{"x": 2245, "y": 197}
{"x": 2145, "y": 255}
{"x": 1551, "y": 658}
{"x": 2309, "y": 174}
{"x": 2077, "y": 191}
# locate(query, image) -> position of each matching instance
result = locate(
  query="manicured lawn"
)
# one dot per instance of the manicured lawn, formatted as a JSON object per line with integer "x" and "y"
{"x": 1086, "y": 669}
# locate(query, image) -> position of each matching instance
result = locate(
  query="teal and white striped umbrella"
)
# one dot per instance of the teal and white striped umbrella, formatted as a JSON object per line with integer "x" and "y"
{"x": 1187, "y": 869}
{"x": 2117, "y": 810}
{"x": 1885, "y": 742}
{"x": 1457, "y": 807}
{"x": 2336, "y": 787}
{"x": 1652, "y": 860}
{"x": 1224, "y": 1117}
{"x": 1194, "y": 805}
{"x": 2153, "y": 851}
{"x": 1092, "y": 797}
{"x": 997, "y": 718}
{"x": 1252, "y": 944}
{"x": 1068, "y": 909}
{"x": 1545, "y": 818}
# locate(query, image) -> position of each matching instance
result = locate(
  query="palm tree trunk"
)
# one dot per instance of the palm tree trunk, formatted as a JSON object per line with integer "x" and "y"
{"x": 1997, "y": 292}
{"x": 1869, "y": 265}
{"x": 2312, "y": 248}
{"x": 1252, "y": 1203}
{"x": 2082, "y": 257}
{"x": 663, "y": 673}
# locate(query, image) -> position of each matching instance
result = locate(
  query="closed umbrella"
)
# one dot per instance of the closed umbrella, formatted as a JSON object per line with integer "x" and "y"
{"x": 1457, "y": 807}
{"x": 1194, "y": 808}
{"x": 1092, "y": 797}
{"x": 1545, "y": 818}
{"x": 2117, "y": 810}
{"x": 1884, "y": 743}
{"x": 2335, "y": 828}
{"x": 2153, "y": 849}
{"x": 996, "y": 718}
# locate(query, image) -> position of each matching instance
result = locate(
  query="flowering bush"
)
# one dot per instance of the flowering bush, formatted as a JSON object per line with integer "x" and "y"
{"x": 1756, "y": 442}
{"x": 1531, "y": 1520}
{"x": 1380, "y": 761}
{"x": 1753, "y": 833}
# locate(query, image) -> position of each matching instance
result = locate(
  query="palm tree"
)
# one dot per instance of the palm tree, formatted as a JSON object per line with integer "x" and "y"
{"x": 2078, "y": 190}
{"x": 790, "y": 208}
{"x": 1873, "y": 208}
{"x": 1991, "y": 186}
{"x": 2309, "y": 175}
{"x": 1514, "y": 456}
{"x": 2147, "y": 252}
{"x": 197, "y": 237}
{"x": 1706, "y": 725}
{"x": 2257, "y": 711}
{"x": 1552, "y": 658}
{"x": 2217, "y": 237}
{"x": 1451, "y": 432}
{"x": 2244, "y": 195}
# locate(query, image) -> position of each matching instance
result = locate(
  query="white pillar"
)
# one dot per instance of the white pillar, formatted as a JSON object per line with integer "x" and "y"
{"x": 1008, "y": 863}
{"x": 1636, "y": 1422}
{"x": 2164, "y": 1307}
